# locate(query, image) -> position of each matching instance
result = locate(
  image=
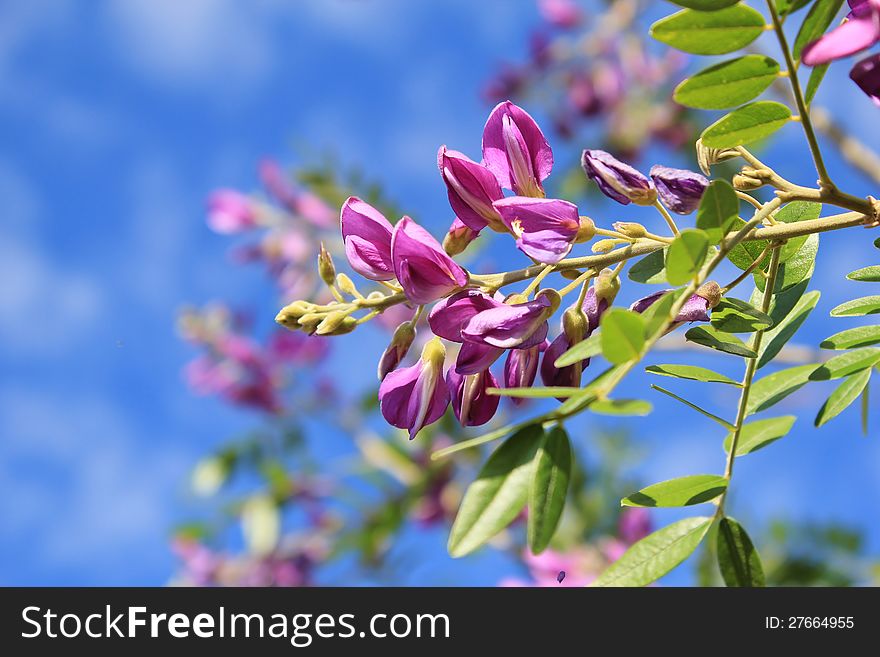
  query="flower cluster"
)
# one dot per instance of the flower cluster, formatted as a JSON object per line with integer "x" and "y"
{"x": 483, "y": 324}
{"x": 595, "y": 68}
{"x": 859, "y": 31}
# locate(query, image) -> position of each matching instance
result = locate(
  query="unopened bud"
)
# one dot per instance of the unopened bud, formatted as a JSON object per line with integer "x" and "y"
{"x": 607, "y": 285}
{"x": 630, "y": 229}
{"x": 575, "y": 324}
{"x": 337, "y": 322}
{"x": 458, "y": 238}
{"x": 745, "y": 183}
{"x": 604, "y": 246}
{"x": 290, "y": 315}
{"x": 325, "y": 266}
{"x": 571, "y": 274}
{"x": 345, "y": 284}
{"x": 397, "y": 349}
{"x": 711, "y": 292}
{"x": 553, "y": 297}
{"x": 586, "y": 230}
{"x": 706, "y": 156}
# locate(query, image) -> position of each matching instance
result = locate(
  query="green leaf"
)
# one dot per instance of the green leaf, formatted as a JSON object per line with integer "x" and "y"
{"x": 870, "y": 274}
{"x": 738, "y": 560}
{"x": 621, "y": 407}
{"x": 858, "y": 307}
{"x": 736, "y": 316}
{"x": 536, "y": 393}
{"x": 786, "y": 326}
{"x": 549, "y": 487}
{"x": 792, "y": 213}
{"x": 745, "y": 253}
{"x": 691, "y": 372}
{"x": 498, "y": 494}
{"x": 487, "y": 437}
{"x": 704, "y": 5}
{"x": 686, "y": 255}
{"x": 709, "y": 337}
{"x": 729, "y": 83}
{"x": 798, "y": 266}
{"x": 846, "y": 364}
{"x": 584, "y": 349}
{"x": 760, "y": 433}
{"x": 788, "y": 7}
{"x": 718, "y": 211}
{"x": 773, "y": 388}
{"x": 656, "y": 315}
{"x": 747, "y": 124}
{"x": 865, "y": 407}
{"x": 877, "y": 243}
{"x": 577, "y": 403}
{"x": 844, "y": 395}
{"x": 724, "y": 423}
{"x": 710, "y": 33}
{"x": 860, "y": 336}
{"x": 683, "y": 491}
{"x": 815, "y": 79}
{"x": 656, "y": 554}
{"x": 817, "y": 21}
{"x": 622, "y": 336}
{"x": 650, "y": 269}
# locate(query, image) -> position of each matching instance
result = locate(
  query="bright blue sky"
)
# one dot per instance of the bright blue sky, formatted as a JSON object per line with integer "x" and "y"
{"x": 119, "y": 117}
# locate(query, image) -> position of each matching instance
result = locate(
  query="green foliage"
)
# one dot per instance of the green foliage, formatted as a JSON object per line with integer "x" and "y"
{"x": 656, "y": 554}
{"x": 747, "y": 124}
{"x": 775, "y": 387}
{"x": 846, "y": 364}
{"x": 708, "y": 336}
{"x": 860, "y": 336}
{"x": 844, "y": 395}
{"x": 813, "y": 82}
{"x": 621, "y": 407}
{"x": 729, "y": 83}
{"x": 691, "y": 372}
{"x": 858, "y": 307}
{"x": 548, "y": 489}
{"x": 650, "y": 269}
{"x": 704, "y": 5}
{"x": 498, "y": 494}
{"x": 738, "y": 560}
{"x": 786, "y": 326}
{"x": 736, "y": 316}
{"x": 792, "y": 213}
{"x": 718, "y": 210}
{"x": 710, "y": 33}
{"x": 760, "y": 433}
{"x": 724, "y": 423}
{"x": 548, "y": 392}
{"x": 798, "y": 266}
{"x": 817, "y": 21}
{"x": 584, "y": 349}
{"x": 869, "y": 274}
{"x": 623, "y": 335}
{"x": 686, "y": 255}
{"x": 683, "y": 491}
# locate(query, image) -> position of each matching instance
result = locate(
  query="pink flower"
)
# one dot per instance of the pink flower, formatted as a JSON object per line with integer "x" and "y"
{"x": 230, "y": 211}
{"x": 545, "y": 229}
{"x": 521, "y": 367}
{"x": 448, "y": 317}
{"x": 471, "y": 188}
{"x": 509, "y": 326}
{"x": 425, "y": 272}
{"x": 516, "y": 151}
{"x": 367, "y": 236}
{"x": 561, "y": 13}
{"x": 472, "y": 405}
{"x": 413, "y": 397}
{"x": 458, "y": 237}
{"x": 861, "y": 30}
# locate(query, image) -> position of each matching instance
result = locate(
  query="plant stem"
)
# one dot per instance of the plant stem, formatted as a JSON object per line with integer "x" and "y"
{"x": 668, "y": 217}
{"x": 751, "y": 368}
{"x": 803, "y": 110}
{"x": 739, "y": 279}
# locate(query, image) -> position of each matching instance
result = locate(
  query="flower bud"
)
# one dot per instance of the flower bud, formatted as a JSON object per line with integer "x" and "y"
{"x": 309, "y": 322}
{"x": 571, "y": 274}
{"x": 397, "y": 349}
{"x": 337, "y": 322}
{"x": 575, "y": 324}
{"x": 711, "y": 292}
{"x": 472, "y": 405}
{"x": 630, "y": 229}
{"x": 604, "y": 246}
{"x": 744, "y": 183}
{"x": 607, "y": 285}
{"x": 680, "y": 190}
{"x": 706, "y": 156}
{"x": 617, "y": 180}
{"x": 458, "y": 238}
{"x": 345, "y": 284}
{"x": 325, "y": 266}
{"x": 290, "y": 315}
{"x": 586, "y": 230}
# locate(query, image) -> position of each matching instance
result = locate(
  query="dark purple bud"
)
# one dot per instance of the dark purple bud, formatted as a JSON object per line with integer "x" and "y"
{"x": 866, "y": 74}
{"x": 680, "y": 190}
{"x": 521, "y": 368}
{"x": 473, "y": 406}
{"x": 617, "y": 180}
{"x": 560, "y": 576}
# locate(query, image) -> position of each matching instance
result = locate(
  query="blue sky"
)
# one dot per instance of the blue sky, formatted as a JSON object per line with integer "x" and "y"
{"x": 119, "y": 117}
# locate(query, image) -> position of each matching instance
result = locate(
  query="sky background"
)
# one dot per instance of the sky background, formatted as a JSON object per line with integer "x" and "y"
{"x": 118, "y": 118}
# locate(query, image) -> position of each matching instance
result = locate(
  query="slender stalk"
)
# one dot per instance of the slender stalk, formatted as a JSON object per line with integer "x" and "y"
{"x": 668, "y": 217}
{"x": 751, "y": 368}
{"x": 803, "y": 110}
{"x": 747, "y": 272}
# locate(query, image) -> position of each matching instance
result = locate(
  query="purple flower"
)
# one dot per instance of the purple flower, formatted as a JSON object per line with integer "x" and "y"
{"x": 230, "y": 211}
{"x": 866, "y": 74}
{"x": 545, "y": 229}
{"x": 509, "y": 326}
{"x": 617, "y": 180}
{"x": 448, "y": 317}
{"x": 679, "y": 189}
{"x": 561, "y": 376}
{"x": 521, "y": 367}
{"x": 422, "y": 268}
{"x": 594, "y": 306}
{"x": 860, "y": 31}
{"x": 458, "y": 237}
{"x": 471, "y": 188}
{"x": 413, "y": 397}
{"x": 367, "y": 236}
{"x": 633, "y": 525}
{"x": 471, "y": 403}
{"x": 561, "y": 13}
{"x": 695, "y": 309}
{"x": 516, "y": 151}
{"x": 473, "y": 358}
